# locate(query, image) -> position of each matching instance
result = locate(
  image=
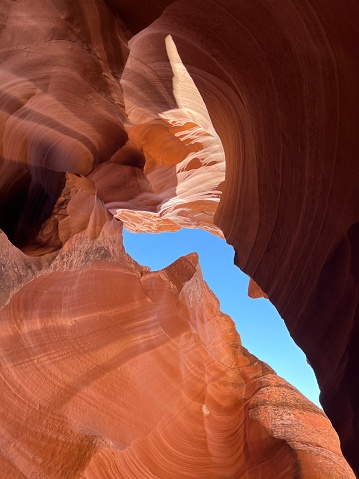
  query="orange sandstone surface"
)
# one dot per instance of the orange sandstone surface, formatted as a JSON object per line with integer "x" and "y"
{"x": 109, "y": 370}
{"x": 237, "y": 117}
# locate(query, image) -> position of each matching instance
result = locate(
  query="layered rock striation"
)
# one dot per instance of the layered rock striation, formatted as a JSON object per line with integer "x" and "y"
{"x": 233, "y": 116}
{"x": 279, "y": 85}
{"x": 111, "y": 370}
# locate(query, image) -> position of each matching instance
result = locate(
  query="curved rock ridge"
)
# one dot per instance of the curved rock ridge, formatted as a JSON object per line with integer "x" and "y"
{"x": 119, "y": 372}
{"x": 61, "y": 103}
{"x": 62, "y": 110}
{"x": 279, "y": 85}
{"x": 92, "y": 126}
{"x": 185, "y": 161}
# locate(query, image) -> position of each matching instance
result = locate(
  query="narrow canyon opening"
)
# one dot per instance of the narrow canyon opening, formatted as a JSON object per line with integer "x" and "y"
{"x": 262, "y": 330}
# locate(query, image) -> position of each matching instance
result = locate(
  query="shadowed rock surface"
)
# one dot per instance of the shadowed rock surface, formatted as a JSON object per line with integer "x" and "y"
{"x": 237, "y": 117}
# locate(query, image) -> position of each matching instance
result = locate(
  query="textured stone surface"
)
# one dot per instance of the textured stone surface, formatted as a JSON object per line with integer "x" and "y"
{"x": 93, "y": 126}
{"x": 279, "y": 84}
{"x": 109, "y": 370}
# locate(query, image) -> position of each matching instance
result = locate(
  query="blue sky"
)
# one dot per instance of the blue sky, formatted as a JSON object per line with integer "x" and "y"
{"x": 261, "y": 328}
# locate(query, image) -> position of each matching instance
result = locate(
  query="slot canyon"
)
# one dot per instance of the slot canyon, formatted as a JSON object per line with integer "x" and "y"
{"x": 237, "y": 117}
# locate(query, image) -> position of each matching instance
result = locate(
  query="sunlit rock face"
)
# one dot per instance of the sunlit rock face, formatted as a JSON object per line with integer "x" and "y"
{"x": 185, "y": 161}
{"x": 112, "y": 371}
{"x": 279, "y": 84}
{"x": 237, "y": 117}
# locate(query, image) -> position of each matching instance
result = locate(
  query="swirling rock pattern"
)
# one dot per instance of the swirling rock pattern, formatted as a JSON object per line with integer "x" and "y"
{"x": 278, "y": 82}
{"x": 238, "y": 117}
{"x": 110, "y": 370}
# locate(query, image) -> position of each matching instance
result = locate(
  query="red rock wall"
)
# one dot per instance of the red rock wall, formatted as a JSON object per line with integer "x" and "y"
{"x": 279, "y": 87}
{"x": 279, "y": 84}
{"x": 111, "y": 371}
{"x": 61, "y": 104}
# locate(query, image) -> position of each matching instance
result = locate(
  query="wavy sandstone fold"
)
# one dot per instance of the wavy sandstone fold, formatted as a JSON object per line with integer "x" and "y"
{"x": 279, "y": 84}
{"x": 237, "y": 117}
{"x": 110, "y": 370}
